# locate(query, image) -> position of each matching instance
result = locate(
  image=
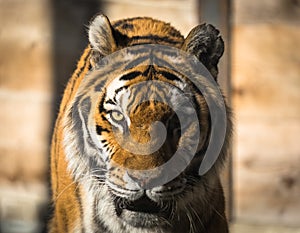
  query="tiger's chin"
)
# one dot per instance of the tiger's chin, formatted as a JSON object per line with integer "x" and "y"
{"x": 142, "y": 213}
{"x": 143, "y": 220}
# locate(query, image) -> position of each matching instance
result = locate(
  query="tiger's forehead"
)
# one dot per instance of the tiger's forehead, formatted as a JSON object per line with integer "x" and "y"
{"x": 137, "y": 92}
{"x": 143, "y": 74}
{"x": 145, "y": 83}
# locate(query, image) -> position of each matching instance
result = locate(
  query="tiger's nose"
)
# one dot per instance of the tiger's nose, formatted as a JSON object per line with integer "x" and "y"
{"x": 147, "y": 180}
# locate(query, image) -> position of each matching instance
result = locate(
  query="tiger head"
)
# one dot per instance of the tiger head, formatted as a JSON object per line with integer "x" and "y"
{"x": 138, "y": 128}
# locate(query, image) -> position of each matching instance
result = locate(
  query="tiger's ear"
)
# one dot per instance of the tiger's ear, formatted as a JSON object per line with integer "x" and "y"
{"x": 207, "y": 45}
{"x": 101, "y": 37}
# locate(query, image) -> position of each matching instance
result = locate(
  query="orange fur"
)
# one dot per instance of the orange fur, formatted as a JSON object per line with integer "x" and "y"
{"x": 63, "y": 187}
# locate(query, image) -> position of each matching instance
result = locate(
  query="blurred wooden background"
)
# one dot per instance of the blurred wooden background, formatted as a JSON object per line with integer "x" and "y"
{"x": 266, "y": 100}
{"x": 41, "y": 40}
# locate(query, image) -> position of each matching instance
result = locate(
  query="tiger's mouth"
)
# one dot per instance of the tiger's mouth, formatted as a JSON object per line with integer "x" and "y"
{"x": 142, "y": 212}
{"x": 156, "y": 207}
{"x": 141, "y": 205}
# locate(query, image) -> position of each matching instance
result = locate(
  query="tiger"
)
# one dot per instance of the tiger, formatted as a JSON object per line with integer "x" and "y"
{"x": 97, "y": 179}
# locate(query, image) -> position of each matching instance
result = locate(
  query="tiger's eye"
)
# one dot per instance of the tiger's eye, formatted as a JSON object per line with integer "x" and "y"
{"x": 117, "y": 116}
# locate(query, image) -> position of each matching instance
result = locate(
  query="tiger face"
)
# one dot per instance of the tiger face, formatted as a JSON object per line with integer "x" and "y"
{"x": 137, "y": 129}
{"x": 130, "y": 135}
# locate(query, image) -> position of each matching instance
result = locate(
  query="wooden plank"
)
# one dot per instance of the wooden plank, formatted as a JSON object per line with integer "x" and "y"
{"x": 267, "y": 173}
{"x": 247, "y": 228}
{"x": 266, "y": 98}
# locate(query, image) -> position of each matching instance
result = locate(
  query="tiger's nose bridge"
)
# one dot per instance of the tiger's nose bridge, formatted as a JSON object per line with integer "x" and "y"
{"x": 146, "y": 179}
{"x": 150, "y": 142}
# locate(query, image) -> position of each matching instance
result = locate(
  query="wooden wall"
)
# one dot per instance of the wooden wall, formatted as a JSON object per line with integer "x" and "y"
{"x": 266, "y": 97}
{"x": 25, "y": 103}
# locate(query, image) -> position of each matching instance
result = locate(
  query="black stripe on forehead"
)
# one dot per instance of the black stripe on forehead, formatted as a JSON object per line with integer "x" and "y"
{"x": 170, "y": 76}
{"x": 132, "y": 98}
{"x": 156, "y": 38}
{"x": 150, "y": 69}
{"x": 127, "y": 21}
{"x": 145, "y": 94}
{"x": 130, "y": 76}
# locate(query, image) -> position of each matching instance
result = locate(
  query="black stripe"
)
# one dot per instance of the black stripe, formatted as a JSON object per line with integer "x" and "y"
{"x": 169, "y": 76}
{"x": 131, "y": 100}
{"x": 155, "y": 38}
{"x": 99, "y": 86}
{"x": 196, "y": 89}
{"x": 120, "y": 89}
{"x": 78, "y": 126}
{"x": 127, "y": 26}
{"x": 78, "y": 197}
{"x": 103, "y": 118}
{"x": 110, "y": 102}
{"x": 100, "y": 129}
{"x": 150, "y": 69}
{"x": 120, "y": 22}
{"x": 101, "y": 106}
{"x": 85, "y": 63}
{"x": 130, "y": 76}
{"x": 99, "y": 225}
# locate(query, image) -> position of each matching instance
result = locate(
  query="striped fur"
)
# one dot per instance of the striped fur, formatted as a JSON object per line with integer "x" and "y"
{"x": 92, "y": 188}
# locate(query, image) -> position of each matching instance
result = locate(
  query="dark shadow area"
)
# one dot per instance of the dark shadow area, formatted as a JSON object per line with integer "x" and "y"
{"x": 69, "y": 31}
{"x": 70, "y": 23}
{"x": 219, "y": 13}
